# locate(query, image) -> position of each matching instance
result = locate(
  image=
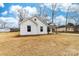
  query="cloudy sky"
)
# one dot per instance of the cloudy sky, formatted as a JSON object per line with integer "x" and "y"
{"x": 8, "y": 11}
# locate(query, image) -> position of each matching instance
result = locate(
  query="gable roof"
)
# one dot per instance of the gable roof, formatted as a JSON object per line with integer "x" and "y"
{"x": 41, "y": 18}
{"x": 27, "y": 20}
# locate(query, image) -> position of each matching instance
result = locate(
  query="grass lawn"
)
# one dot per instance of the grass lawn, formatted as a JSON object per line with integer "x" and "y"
{"x": 43, "y": 45}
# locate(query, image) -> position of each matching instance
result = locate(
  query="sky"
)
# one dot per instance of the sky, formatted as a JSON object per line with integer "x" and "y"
{"x": 8, "y": 11}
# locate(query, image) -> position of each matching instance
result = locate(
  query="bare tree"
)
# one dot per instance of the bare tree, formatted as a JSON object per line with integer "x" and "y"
{"x": 3, "y": 24}
{"x": 74, "y": 16}
{"x": 21, "y": 15}
{"x": 67, "y": 15}
{"x": 76, "y": 19}
{"x": 53, "y": 10}
{"x": 53, "y": 15}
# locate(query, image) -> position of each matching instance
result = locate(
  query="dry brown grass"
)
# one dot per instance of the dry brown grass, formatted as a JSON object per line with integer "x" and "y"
{"x": 44, "y": 45}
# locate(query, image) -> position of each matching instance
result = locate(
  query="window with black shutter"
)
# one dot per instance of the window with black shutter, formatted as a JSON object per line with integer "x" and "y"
{"x": 41, "y": 28}
{"x": 28, "y": 28}
{"x": 35, "y": 19}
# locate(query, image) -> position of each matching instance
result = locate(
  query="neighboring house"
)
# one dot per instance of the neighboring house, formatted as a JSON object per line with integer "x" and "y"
{"x": 63, "y": 28}
{"x": 77, "y": 28}
{"x": 34, "y": 25}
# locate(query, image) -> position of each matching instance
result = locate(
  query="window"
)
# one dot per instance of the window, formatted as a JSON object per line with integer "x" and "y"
{"x": 29, "y": 28}
{"x": 35, "y": 19}
{"x": 41, "y": 29}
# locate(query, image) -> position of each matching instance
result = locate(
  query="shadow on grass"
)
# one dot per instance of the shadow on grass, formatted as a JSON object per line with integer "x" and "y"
{"x": 68, "y": 32}
{"x": 32, "y": 35}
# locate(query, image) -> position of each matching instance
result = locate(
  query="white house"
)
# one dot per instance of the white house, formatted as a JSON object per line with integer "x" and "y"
{"x": 34, "y": 25}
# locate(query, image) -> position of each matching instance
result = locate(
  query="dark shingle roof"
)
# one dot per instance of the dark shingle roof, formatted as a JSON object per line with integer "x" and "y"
{"x": 41, "y": 18}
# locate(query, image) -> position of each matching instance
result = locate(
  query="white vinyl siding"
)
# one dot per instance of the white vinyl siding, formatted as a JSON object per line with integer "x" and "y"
{"x": 35, "y": 27}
